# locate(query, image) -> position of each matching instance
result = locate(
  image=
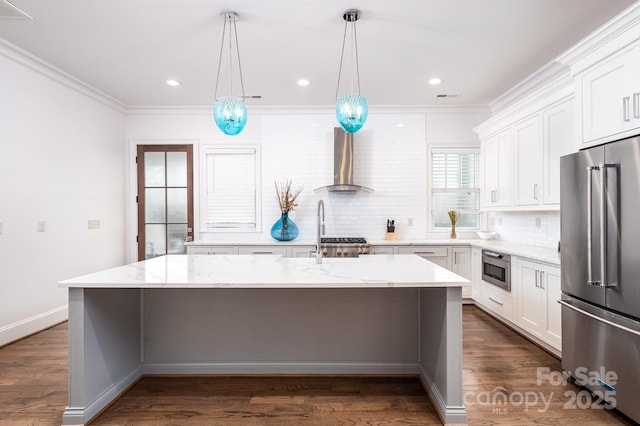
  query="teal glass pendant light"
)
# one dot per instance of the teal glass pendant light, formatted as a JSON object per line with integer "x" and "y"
{"x": 351, "y": 107}
{"x": 230, "y": 112}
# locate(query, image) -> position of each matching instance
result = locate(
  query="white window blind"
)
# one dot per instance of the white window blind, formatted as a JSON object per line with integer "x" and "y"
{"x": 231, "y": 189}
{"x": 455, "y": 185}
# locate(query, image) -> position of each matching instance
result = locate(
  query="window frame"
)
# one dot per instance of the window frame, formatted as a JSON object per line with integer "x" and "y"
{"x": 212, "y": 149}
{"x": 462, "y": 149}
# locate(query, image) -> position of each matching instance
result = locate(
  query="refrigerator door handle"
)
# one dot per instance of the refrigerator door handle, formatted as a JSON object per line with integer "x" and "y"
{"x": 597, "y": 318}
{"x": 590, "y": 280}
{"x": 603, "y": 225}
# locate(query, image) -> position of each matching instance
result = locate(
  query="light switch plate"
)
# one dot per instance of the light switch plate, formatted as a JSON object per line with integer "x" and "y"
{"x": 42, "y": 225}
{"x": 94, "y": 223}
{"x": 1, "y": 230}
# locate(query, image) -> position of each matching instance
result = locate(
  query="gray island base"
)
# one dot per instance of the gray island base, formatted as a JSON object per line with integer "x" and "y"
{"x": 263, "y": 314}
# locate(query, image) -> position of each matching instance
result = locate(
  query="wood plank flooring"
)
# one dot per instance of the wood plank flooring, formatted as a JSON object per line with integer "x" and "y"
{"x": 499, "y": 365}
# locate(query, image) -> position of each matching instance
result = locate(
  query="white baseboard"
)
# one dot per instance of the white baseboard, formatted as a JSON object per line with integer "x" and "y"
{"x": 20, "y": 329}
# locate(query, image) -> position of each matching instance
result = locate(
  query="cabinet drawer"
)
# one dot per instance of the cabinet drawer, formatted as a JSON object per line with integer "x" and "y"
{"x": 497, "y": 300}
{"x": 262, "y": 250}
{"x": 210, "y": 250}
{"x": 425, "y": 251}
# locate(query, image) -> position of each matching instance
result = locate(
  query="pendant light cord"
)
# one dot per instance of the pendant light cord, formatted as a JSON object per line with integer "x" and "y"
{"x": 352, "y": 17}
{"x": 229, "y": 17}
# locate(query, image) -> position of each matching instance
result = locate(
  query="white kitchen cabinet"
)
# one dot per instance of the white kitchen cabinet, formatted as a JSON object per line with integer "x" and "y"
{"x": 496, "y": 164}
{"x": 498, "y": 300}
{"x": 461, "y": 265}
{"x": 301, "y": 251}
{"x": 610, "y": 96}
{"x": 436, "y": 254}
{"x": 557, "y": 140}
{"x": 476, "y": 274}
{"x": 538, "y": 290}
{"x": 213, "y": 249}
{"x": 527, "y": 169}
{"x": 382, "y": 249}
{"x": 263, "y": 249}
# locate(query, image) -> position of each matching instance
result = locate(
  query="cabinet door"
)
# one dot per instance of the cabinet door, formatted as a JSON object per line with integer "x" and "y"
{"x": 505, "y": 167}
{"x": 527, "y": 144}
{"x": 489, "y": 167}
{"x": 558, "y": 140}
{"x": 553, "y": 323}
{"x": 476, "y": 274}
{"x": 532, "y": 300}
{"x": 606, "y": 97}
{"x": 461, "y": 265}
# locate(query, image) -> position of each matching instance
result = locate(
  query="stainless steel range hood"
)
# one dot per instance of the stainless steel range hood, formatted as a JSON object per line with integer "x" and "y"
{"x": 343, "y": 164}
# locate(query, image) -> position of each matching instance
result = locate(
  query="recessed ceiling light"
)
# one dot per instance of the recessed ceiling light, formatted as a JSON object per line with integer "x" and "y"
{"x": 399, "y": 124}
{"x": 173, "y": 83}
{"x": 435, "y": 80}
{"x": 303, "y": 82}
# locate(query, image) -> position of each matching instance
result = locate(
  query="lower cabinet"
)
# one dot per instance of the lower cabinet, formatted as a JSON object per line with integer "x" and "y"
{"x": 382, "y": 249}
{"x": 210, "y": 250}
{"x": 454, "y": 258}
{"x": 538, "y": 292}
{"x": 281, "y": 250}
{"x": 461, "y": 265}
{"x": 476, "y": 273}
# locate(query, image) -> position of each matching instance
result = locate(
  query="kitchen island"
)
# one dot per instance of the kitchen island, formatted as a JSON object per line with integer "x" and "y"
{"x": 264, "y": 314}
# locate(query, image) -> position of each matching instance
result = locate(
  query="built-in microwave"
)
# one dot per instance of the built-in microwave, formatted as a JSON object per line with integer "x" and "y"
{"x": 496, "y": 269}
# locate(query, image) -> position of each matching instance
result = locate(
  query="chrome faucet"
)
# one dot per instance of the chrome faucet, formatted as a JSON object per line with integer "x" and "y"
{"x": 318, "y": 252}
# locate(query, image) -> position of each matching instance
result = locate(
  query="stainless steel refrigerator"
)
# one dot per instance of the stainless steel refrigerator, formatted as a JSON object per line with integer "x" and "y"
{"x": 600, "y": 264}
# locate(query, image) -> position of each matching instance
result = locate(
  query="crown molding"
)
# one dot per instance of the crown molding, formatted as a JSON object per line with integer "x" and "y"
{"x": 24, "y": 58}
{"x": 615, "y": 34}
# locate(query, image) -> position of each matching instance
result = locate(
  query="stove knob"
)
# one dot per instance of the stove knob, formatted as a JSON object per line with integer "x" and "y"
{"x": 324, "y": 252}
{"x": 338, "y": 253}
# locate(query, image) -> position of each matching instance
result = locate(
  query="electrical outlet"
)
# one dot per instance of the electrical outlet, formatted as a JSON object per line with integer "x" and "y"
{"x": 1, "y": 228}
{"x": 94, "y": 223}
{"x": 42, "y": 225}
{"x": 538, "y": 222}
{"x": 409, "y": 221}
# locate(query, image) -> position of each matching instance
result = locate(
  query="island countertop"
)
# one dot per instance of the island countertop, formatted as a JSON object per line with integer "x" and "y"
{"x": 271, "y": 271}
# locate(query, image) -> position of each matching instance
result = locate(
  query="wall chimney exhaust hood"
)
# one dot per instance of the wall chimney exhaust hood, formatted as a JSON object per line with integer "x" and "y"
{"x": 343, "y": 164}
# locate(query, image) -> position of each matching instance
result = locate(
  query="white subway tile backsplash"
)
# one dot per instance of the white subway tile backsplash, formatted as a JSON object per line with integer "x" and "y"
{"x": 522, "y": 227}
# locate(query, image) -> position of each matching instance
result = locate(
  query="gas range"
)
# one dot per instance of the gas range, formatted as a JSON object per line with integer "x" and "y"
{"x": 344, "y": 247}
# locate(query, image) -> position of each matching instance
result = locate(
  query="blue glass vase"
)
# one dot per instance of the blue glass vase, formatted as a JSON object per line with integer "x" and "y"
{"x": 284, "y": 229}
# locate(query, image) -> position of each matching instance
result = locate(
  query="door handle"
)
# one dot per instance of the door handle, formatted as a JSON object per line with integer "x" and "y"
{"x": 625, "y": 108}
{"x": 590, "y": 280}
{"x": 495, "y": 301}
{"x": 535, "y": 191}
{"x": 541, "y": 280}
{"x": 537, "y": 279}
{"x": 636, "y": 105}
{"x": 597, "y": 318}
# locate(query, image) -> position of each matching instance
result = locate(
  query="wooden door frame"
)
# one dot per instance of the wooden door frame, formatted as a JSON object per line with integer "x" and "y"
{"x": 140, "y": 150}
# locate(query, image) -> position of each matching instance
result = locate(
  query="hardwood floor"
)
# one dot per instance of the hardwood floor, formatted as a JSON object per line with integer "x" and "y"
{"x": 499, "y": 365}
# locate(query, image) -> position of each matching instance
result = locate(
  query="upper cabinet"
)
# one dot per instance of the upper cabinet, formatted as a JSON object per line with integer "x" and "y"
{"x": 606, "y": 65}
{"x": 521, "y": 150}
{"x": 611, "y": 97}
{"x": 495, "y": 166}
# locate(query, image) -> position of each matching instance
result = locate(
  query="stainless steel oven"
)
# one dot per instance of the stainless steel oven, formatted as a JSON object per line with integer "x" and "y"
{"x": 496, "y": 269}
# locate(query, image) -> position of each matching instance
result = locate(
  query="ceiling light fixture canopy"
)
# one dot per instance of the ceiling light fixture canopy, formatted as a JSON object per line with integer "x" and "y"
{"x": 351, "y": 107}
{"x": 230, "y": 112}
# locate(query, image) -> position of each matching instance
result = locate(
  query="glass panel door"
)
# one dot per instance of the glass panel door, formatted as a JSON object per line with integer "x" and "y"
{"x": 165, "y": 199}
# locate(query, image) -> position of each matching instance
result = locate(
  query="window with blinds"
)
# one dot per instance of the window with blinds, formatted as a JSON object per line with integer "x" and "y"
{"x": 231, "y": 189}
{"x": 455, "y": 185}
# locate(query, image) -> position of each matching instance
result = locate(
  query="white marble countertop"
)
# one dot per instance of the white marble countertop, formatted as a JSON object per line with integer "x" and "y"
{"x": 271, "y": 271}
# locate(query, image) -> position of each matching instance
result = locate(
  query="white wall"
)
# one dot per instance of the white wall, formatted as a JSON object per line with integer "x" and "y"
{"x": 63, "y": 161}
{"x": 296, "y": 145}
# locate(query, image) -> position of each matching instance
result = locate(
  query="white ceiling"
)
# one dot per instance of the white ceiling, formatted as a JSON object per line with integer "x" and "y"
{"x": 480, "y": 48}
